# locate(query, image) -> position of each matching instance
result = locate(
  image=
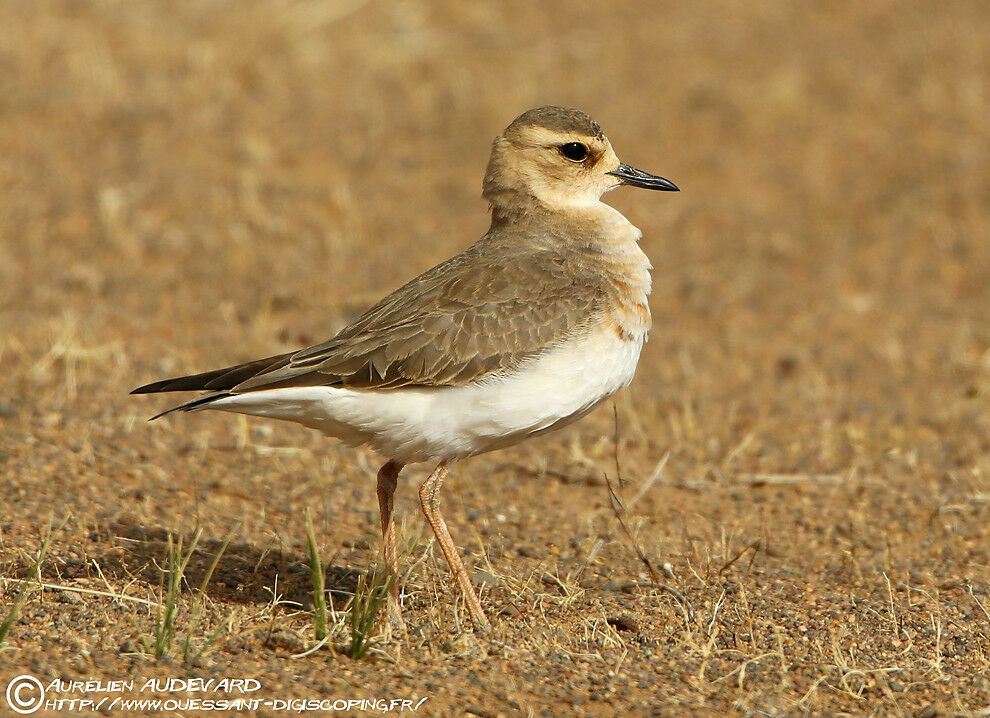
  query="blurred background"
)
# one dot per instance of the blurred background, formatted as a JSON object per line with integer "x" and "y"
{"x": 185, "y": 185}
{"x": 202, "y": 182}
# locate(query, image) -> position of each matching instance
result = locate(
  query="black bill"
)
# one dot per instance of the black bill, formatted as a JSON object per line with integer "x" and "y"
{"x": 639, "y": 178}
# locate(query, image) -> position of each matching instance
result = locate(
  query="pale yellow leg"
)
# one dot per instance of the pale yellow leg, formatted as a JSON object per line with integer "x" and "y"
{"x": 388, "y": 477}
{"x": 429, "y": 498}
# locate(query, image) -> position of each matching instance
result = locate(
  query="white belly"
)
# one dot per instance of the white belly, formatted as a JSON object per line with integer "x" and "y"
{"x": 427, "y": 423}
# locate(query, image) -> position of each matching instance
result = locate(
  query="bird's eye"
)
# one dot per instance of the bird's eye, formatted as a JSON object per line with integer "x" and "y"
{"x": 574, "y": 151}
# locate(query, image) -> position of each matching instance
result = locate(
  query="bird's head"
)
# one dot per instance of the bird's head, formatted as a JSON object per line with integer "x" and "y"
{"x": 560, "y": 159}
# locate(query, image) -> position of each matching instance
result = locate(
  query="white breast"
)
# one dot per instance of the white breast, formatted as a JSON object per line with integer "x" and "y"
{"x": 421, "y": 424}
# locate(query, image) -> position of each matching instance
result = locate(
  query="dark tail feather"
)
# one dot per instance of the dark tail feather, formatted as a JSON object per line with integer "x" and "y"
{"x": 218, "y": 379}
{"x": 194, "y": 404}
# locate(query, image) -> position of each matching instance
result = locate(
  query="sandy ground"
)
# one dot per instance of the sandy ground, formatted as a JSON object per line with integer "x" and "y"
{"x": 186, "y": 185}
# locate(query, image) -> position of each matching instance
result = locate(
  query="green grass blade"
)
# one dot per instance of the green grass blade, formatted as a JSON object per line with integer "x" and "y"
{"x": 201, "y": 596}
{"x": 369, "y": 599}
{"x": 319, "y": 592}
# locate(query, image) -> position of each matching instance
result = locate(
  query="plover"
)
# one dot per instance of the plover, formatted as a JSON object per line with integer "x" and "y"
{"x": 525, "y": 331}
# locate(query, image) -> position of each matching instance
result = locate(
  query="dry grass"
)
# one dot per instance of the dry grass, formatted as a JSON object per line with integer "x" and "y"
{"x": 190, "y": 184}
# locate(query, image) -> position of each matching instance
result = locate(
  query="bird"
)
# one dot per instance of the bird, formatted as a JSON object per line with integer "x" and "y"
{"x": 522, "y": 333}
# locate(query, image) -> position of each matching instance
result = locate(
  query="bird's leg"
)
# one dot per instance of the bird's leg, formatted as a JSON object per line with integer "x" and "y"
{"x": 388, "y": 477}
{"x": 429, "y": 497}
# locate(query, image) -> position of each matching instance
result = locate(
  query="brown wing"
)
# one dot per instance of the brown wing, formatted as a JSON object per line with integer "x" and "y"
{"x": 481, "y": 312}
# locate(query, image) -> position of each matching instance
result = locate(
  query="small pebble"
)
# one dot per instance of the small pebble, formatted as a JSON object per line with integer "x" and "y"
{"x": 623, "y": 622}
{"x": 510, "y": 611}
{"x": 130, "y": 646}
{"x": 287, "y": 640}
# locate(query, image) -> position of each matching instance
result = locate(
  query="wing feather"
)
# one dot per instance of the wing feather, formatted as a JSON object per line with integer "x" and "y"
{"x": 481, "y": 312}
{"x": 487, "y": 310}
